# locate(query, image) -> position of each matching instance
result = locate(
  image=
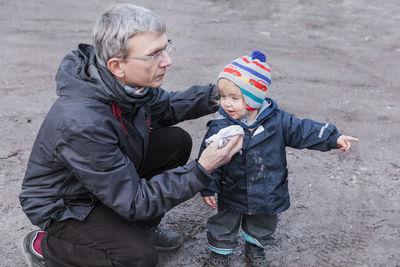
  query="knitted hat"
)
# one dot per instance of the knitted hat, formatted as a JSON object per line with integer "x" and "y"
{"x": 252, "y": 75}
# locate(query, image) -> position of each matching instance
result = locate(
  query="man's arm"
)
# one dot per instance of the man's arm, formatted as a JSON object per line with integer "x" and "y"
{"x": 108, "y": 174}
{"x": 169, "y": 108}
{"x": 179, "y": 184}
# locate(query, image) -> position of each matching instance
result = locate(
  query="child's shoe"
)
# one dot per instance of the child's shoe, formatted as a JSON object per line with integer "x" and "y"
{"x": 218, "y": 260}
{"x": 30, "y": 249}
{"x": 255, "y": 255}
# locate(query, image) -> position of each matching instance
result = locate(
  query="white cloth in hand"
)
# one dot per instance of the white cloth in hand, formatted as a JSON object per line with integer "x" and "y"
{"x": 224, "y": 135}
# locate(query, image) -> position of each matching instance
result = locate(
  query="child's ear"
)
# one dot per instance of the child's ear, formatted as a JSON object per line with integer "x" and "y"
{"x": 114, "y": 66}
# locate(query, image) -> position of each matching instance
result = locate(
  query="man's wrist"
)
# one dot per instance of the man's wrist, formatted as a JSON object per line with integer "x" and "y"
{"x": 204, "y": 166}
{"x": 201, "y": 172}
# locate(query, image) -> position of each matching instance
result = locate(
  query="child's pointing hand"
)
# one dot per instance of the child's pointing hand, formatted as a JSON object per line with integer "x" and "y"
{"x": 344, "y": 142}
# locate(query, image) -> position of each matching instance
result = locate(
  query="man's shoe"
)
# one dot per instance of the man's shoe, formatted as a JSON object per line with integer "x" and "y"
{"x": 218, "y": 260}
{"x": 255, "y": 256}
{"x": 29, "y": 246}
{"x": 164, "y": 240}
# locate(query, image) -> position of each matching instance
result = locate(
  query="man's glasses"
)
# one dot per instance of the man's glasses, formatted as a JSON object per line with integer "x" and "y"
{"x": 156, "y": 56}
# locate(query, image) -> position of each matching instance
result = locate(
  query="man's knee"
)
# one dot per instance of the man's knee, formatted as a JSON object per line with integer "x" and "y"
{"x": 179, "y": 136}
{"x": 179, "y": 144}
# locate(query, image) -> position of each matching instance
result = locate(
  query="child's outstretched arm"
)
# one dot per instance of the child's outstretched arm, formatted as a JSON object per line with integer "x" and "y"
{"x": 344, "y": 142}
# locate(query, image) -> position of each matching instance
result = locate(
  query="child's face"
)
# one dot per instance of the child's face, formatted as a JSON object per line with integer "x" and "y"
{"x": 232, "y": 100}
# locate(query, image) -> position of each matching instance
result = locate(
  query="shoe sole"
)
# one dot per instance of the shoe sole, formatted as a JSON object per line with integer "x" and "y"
{"x": 26, "y": 256}
{"x": 167, "y": 249}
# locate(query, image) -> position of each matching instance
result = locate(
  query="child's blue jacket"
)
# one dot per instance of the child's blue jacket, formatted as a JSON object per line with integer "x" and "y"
{"x": 255, "y": 180}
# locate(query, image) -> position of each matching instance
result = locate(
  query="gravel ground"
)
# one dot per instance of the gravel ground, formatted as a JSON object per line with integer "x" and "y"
{"x": 335, "y": 61}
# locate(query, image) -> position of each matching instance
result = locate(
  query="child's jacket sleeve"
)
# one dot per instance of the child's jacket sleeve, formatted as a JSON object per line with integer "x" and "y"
{"x": 306, "y": 133}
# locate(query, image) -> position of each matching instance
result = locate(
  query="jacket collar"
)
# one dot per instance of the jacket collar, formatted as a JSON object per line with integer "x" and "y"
{"x": 81, "y": 75}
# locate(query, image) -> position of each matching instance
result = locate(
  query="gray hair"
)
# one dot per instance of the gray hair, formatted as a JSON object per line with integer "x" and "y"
{"x": 117, "y": 25}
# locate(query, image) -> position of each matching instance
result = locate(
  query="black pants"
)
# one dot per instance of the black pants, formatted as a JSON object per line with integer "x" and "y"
{"x": 106, "y": 239}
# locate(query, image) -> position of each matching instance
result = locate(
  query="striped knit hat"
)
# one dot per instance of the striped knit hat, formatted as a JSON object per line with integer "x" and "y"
{"x": 252, "y": 75}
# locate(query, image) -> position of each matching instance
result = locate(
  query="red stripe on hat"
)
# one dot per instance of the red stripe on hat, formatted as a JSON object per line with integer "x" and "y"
{"x": 245, "y": 59}
{"x": 232, "y": 70}
{"x": 260, "y": 84}
{"x": 250, "y": 108}
{"x": 255, "y": 62}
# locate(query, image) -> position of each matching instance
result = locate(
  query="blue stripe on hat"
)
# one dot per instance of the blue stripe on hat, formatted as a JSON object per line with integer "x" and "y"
{"x": 250, "y": 95}
{"x": 252, "y": 72}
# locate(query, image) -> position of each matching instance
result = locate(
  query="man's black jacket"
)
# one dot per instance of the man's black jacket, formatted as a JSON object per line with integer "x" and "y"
{"x": 93, "y": 141}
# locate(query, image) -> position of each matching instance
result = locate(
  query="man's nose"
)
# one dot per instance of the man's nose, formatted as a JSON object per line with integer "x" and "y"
{"x": 166, "y": 60}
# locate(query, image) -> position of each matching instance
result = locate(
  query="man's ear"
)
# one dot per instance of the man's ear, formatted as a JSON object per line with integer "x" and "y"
{"x": 114, "y": 66}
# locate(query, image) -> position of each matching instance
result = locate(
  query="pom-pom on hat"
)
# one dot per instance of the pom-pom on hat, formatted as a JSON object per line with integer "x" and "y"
{"x": 252, "y": 75}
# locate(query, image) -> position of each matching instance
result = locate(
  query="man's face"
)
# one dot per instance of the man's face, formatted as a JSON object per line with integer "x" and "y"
{"x": 146, "y": 73}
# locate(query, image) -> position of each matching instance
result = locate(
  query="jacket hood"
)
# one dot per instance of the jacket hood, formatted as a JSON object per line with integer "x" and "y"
{"x": 80, "y": 75}
{"x": 268, "y": 107}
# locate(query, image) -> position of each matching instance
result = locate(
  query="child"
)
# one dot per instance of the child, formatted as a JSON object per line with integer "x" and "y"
{"x": 253, "y": 188}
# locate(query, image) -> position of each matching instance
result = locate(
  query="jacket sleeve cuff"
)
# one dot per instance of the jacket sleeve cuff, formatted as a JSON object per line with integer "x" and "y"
{"x": 332, "y": 141}
{"x": 200, "y": 172}
{"x": 207, "y": 193}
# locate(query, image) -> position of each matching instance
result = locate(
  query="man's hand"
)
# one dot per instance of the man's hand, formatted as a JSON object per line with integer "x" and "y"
{"x": 214, "y": 157}
{"x": 344, "y": 142}
{"x": 210, "y": 201}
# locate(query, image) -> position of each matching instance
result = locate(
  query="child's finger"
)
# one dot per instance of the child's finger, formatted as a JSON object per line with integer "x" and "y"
{"x": 344, "y": 142}
{"x": 351, "y": 139}
{"x": 347, "y": 146}
{"x": 212, "y": 202}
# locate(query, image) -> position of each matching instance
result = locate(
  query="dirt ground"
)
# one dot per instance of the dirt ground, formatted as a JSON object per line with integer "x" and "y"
{"x": 335, "y": 61}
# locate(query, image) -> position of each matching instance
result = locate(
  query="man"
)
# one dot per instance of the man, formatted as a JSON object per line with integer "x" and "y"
{"x": 106, "y": 165}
